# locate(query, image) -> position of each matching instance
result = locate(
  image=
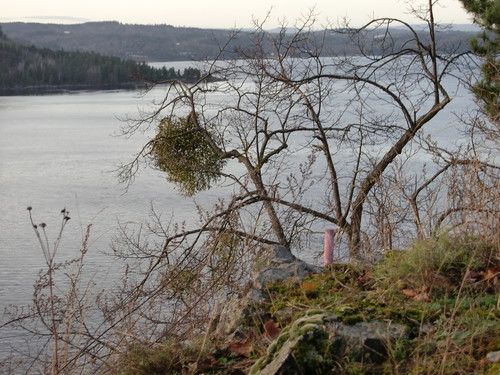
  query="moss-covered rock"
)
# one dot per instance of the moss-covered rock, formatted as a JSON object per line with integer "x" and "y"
{"x": 303, "y": 348}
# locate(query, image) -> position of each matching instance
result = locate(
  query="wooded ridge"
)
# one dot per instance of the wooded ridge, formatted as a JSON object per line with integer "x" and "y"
{"x": 28, "y": 70}
{"x": 168, "y": 43}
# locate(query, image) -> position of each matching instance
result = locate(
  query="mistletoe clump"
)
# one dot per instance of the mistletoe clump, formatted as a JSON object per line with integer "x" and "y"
{"x": 187, "y": 153}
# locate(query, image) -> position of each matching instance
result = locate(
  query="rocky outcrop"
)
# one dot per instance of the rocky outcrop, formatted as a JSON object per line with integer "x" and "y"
{"x": 277, "y": 263}
{"x": 233, "y": 318}
{"x": 314, "y": 343}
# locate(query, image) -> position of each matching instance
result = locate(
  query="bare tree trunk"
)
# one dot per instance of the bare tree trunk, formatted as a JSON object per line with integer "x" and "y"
{"x": 268, "y": 205}
{"x": 354, "y": 237}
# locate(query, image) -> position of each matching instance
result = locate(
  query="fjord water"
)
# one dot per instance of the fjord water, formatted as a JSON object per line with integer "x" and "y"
{"x": 61, "y": 151}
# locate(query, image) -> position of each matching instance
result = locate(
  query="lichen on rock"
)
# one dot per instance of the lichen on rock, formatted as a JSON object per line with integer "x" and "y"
{"x": 300, "y": 349}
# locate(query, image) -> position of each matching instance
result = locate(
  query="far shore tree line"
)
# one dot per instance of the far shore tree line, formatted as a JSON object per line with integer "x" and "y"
{"x": 32, "y": 67}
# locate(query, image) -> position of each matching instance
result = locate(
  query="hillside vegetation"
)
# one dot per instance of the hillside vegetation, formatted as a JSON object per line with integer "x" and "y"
{"x": 433, "y": 306}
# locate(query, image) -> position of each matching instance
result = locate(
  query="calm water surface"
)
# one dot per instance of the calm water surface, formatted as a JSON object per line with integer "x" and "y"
{"x": 60, "y": 151}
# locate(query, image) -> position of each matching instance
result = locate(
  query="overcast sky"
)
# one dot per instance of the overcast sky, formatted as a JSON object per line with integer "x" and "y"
{"x": 216, "y": 13}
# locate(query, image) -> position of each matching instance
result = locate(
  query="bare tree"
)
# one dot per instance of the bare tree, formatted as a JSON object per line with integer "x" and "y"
{"x": 285, "y": 103}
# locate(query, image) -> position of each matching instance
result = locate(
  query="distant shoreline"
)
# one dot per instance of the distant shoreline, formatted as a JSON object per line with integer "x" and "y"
{"x": 69, "y": 88}
{"x": 62, "y": 89}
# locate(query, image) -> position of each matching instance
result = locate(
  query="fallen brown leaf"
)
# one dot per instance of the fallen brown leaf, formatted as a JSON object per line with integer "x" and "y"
{"x": 410, "y": 293}
{"x": 421, "y": 294}
{"x": 308, "y": 286}
{"x": 243, "y": 348}
{"x": 272, "y": 329}
{"x": 491, "y": 275}
{"x": 422, "y": 297}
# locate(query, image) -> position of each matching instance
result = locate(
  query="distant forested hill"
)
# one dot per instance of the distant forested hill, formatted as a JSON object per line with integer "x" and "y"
{"x": 137, "y": 42}
{"x": 168, "y": 43}
{"x": 25, "y": 69}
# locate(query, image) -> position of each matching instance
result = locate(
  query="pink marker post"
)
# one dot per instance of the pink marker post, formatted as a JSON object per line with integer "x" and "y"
{"x": 329, "y": 246}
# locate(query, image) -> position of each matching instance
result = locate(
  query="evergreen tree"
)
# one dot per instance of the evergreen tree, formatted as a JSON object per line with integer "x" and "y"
{"x": 487, "y": 90}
